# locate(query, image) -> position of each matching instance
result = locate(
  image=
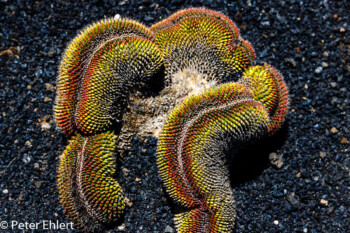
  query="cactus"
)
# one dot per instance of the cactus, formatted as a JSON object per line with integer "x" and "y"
{"x": 110, "y": 59}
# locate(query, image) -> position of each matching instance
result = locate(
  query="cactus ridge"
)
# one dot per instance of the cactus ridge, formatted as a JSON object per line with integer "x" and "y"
{"x": 110, "y": 59}
{"x": 191, "y": 151}
{"x": 269, "y": 88}
{"x": 115, "y": 69}
{"x": 195, "y": 12}
{"x": 203, "y": 40}
{"x": 86, "y": 187}
{"x": 115, "y": 56}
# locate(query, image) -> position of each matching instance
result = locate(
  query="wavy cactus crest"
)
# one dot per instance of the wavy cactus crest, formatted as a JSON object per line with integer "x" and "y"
{"x": 196, "y": 141}
{"x": 111, "y": 58}
{"x": 98, "y": 70}
{"x": 219, "y": 50}
{"x": 87, "y": 190}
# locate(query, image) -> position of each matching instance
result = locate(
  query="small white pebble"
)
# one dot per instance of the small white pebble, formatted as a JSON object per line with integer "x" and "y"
{"x": 305, "y": 230}
{"x": 117, "y": 17}
{"x": 319, "y": 70}
{"x": 275, "y": 222}
{"x": 45, "y": 126}
{"x": 324, "y": 202}
{"x": 5, "y": 191}
{"x": 122, "y": 227}
{"x": 47, "y": 99}
{"x": 50, "y": 87}
{"x": 28, "y": 143}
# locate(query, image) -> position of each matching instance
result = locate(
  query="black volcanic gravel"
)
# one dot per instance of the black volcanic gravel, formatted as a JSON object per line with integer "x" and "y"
{"x": 304, "y": 187}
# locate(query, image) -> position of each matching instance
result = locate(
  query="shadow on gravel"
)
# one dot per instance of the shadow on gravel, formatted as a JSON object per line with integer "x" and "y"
{"x": 251, "y": 161}
{"x": 113, "y": 225}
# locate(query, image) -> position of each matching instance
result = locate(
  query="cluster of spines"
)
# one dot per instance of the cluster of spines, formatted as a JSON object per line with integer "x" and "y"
{"x": 98, "y": 70}
{"x": 86, "y": 187}
{"x": 117, "y": 67}
{"x": 195, "y": 12}
{"x": 202, "y": 35}
{"x": 269, "y": 88}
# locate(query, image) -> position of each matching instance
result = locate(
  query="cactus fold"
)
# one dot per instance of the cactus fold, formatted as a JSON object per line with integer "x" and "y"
{"x": 99, "y": 69}
{"x": 204, "y": 40}
{"x": 86, "y": 187}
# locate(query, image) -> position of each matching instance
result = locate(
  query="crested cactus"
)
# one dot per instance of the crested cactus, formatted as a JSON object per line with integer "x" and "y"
{"x": 109, "y": 59}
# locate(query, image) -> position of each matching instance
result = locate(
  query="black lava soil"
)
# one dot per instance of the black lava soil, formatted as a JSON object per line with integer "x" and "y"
{"x": 297, "y": 181}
